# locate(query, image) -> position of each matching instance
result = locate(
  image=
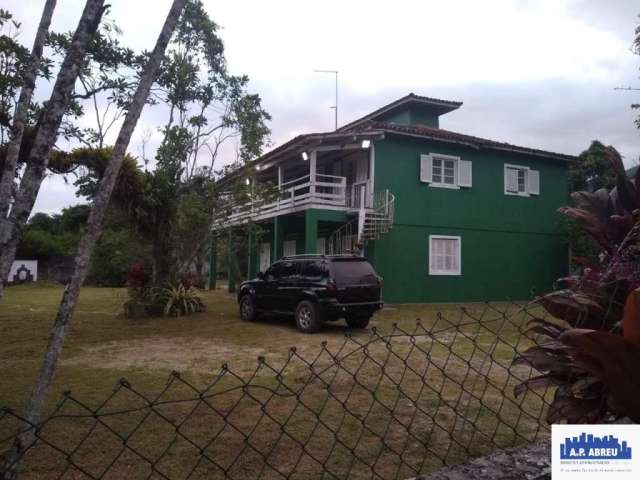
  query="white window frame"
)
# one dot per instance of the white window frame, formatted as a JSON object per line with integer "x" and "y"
{"x": 526, "y": 179}
{"x": 433, "y": 271}
{"x": 456, "y": 161}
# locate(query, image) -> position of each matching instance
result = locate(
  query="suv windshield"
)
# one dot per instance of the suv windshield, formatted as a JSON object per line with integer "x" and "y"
{"x": 351, "y": 272}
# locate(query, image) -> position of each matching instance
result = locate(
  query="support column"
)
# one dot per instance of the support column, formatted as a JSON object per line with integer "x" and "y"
{"x": 212, "y": 262}
{"x": 278, "y": 230}
{"x": 231, "y": 287}
{"x": 250, "y": 253}
{"x": 310, "y": 232}
{"x": 312, "y": 172}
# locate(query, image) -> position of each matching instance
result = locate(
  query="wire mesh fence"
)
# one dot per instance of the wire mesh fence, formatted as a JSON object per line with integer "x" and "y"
{"x": 389, "y": 405}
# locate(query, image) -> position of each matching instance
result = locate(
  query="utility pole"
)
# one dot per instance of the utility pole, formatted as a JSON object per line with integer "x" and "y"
{"x": 335, "y": 107}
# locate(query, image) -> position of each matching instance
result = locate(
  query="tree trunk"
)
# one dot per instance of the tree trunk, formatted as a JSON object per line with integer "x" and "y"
{"x": 46, "y": 135}
{"x": 20, "y": 113}
{"x": 93, "y": 228}
{"x": 94, "y": 223}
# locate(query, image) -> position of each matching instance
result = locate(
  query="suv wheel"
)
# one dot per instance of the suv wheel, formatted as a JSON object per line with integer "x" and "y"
{"x": 247, "y": 309}
{"x": 307, "y": 317}
{"x": 358, "y": 322}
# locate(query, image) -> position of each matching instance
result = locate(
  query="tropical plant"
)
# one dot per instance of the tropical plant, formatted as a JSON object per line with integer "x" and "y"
{"x": 591, "y": 354}
{"x": 180, "y": 300}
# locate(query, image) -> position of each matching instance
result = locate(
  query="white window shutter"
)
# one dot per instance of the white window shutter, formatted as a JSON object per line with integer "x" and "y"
{"x": 425, "y": 168}
{"x": 464, "y": 173}
{"x": 534, "y": 182}
{"x": 510, "y": 179}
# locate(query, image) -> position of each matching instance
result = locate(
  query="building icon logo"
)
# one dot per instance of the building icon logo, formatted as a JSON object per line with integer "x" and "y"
{"x": 590, "y": 447}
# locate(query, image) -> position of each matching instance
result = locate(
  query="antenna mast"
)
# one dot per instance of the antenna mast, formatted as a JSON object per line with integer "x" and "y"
{"x": 335, "y": 107}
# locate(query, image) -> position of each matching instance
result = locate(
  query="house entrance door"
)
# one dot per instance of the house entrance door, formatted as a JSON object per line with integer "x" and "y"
{"x": 360, "y": 185}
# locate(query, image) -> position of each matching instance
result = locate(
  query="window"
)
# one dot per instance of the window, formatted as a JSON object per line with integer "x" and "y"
{"x": 520, "y": 180}
{"x": 445, "y": 171}
{"x": 282, "y": 270}
{"x": 353, "y": 272}
{"x": 288, "y": 248}
{"x": 444, "y": 255}
{"x": 313, "y": 269}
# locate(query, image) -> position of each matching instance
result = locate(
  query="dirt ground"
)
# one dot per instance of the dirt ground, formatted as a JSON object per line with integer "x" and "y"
{"x": 439, "y": 397}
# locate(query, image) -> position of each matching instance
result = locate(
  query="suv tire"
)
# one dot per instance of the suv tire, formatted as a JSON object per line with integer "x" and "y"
{"x": 248, "y": 308}
{"x": 308, "y": 317}
{"x": 358, "y": 321}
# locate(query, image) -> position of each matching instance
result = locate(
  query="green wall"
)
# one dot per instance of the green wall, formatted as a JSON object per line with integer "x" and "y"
{"x": 512, "y": 247}
{"x": 414, "y": 115}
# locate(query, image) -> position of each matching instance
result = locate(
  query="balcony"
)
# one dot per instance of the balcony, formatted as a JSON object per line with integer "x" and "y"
{"x": 330, "y": 172}
{"x": 324, "y": 192}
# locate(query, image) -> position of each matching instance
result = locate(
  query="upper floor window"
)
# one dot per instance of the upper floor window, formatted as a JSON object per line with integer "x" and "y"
{"x": 445, "y": 171}
{"x": 521, "y": 180}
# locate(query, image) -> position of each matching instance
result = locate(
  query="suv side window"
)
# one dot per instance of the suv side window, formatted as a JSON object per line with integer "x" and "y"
{"x": 272, "y": 272}
{"x": 287, "y": 270}
{"x": 314, "y": 270}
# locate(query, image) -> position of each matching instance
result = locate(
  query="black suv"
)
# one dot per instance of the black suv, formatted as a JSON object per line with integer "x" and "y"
{"x": 314, "y": 288}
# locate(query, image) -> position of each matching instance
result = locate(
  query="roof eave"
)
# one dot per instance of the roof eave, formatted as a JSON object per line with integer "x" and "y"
{"x": 514, "y": 148}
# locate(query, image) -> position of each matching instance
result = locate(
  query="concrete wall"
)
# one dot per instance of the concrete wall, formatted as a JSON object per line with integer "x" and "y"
{"x": 23, "y": 271}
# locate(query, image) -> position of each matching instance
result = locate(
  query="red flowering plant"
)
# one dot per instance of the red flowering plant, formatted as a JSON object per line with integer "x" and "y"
{"x": 591, "y": 350}
{"x": 138, "y": 290}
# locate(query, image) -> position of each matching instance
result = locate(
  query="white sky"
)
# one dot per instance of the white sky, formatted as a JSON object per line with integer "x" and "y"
{"x": 536, "y": 73}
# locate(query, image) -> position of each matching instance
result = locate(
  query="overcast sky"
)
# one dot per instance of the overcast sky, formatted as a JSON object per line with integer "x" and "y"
{"x": 537, "y": 73}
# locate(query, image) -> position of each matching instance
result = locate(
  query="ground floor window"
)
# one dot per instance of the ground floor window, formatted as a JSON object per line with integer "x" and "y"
{"x": 320, "y": 246}
{"x": 444, "y": 255}
{"x": 288, "y": 248}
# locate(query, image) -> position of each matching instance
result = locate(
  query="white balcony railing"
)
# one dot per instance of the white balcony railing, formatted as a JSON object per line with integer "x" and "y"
{"x": 326, "y": 190}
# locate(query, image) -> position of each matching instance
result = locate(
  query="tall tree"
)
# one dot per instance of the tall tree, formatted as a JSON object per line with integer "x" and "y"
{"x": 21, "y": 111}
{"x": 47, "y": 132}
{"x": 593, "y": 170}
{"x": 94, "y": 224}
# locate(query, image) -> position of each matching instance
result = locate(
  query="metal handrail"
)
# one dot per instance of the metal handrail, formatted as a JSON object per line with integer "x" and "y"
{"x": 370, "y": 224}
{"x": 296, "y": 192}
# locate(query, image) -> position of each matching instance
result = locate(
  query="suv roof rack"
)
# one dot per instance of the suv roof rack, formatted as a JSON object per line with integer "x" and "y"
{"x": 318, "y": 255}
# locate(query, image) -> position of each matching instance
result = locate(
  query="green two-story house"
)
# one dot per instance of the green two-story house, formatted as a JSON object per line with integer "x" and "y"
{"x": 442, "y": 216}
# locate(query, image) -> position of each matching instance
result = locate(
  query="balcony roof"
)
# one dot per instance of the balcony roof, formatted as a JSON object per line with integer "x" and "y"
{"x": 304, "y": 142}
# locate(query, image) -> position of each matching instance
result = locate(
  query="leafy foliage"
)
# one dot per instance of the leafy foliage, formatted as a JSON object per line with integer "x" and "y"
{"x": 14, "y": 58}
{"x": 180, "y": 300}
{"x": 590, "y": 355}
{"x": 590, "y": 173}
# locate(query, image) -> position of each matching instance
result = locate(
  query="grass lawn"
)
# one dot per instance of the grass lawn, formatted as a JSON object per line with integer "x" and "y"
{"x": 102, "y": 346}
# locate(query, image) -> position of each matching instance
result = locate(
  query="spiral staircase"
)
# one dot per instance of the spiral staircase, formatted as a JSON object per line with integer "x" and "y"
{"x": 370, "y": 223}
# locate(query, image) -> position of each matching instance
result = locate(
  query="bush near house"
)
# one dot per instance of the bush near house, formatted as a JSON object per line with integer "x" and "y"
{"x": 147, "y": 300}
{"x": 593, "y": 354}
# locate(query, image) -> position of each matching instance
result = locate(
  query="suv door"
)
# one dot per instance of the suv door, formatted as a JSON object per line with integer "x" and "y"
{"x": 265, "y": 297}
{"x": 312, "y": 273}
{"x": 287, "y": 287}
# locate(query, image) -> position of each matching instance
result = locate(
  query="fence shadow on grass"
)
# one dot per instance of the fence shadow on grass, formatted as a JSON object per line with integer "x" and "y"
{"x": 391, "y": 406}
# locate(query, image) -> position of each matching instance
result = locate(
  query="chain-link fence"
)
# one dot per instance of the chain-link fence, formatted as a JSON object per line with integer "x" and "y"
{"x": 388, "y": 406}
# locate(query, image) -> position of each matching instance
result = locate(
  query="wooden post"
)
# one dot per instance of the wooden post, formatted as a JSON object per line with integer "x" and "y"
{"x": 277, "y": 238}
{"x": 250, "y": 253}
{"x": 231, "y": 284}
{"x": 310, "y": 232}
{"x": 280, "y": 173}
{"x": 212, "y": 262}
{"x": 312, "y": 173}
